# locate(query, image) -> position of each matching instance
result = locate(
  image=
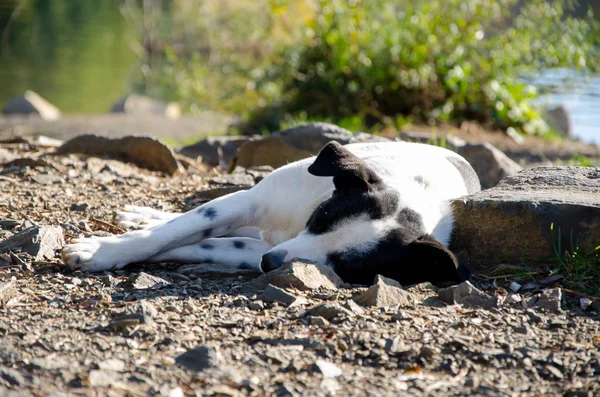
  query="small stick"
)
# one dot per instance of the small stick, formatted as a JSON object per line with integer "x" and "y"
{"x": 109, "y": 225}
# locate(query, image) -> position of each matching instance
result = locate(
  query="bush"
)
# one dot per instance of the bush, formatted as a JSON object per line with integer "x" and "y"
{"x": 386, "y": 61}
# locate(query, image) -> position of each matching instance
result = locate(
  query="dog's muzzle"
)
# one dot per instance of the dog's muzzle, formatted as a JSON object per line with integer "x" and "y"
{"x": 272, "y": 260}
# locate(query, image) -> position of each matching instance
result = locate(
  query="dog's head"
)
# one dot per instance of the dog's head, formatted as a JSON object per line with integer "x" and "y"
{"x": 364, "y": 230}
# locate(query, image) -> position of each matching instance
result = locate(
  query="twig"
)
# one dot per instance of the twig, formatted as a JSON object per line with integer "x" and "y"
{"x": 580, "y": 294}
{"x": 109, "y": 225}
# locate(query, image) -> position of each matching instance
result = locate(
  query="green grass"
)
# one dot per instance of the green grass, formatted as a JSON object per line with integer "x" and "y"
{"x": 580, "y": 270}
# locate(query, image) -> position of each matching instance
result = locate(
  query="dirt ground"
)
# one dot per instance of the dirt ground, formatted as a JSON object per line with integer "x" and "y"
{"x": 65, "y": 333}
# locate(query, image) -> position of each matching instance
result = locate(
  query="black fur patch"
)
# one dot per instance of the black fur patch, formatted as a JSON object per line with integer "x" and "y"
{"x": 210, "y": 213}
{"x": 208, "y": 247}
{"x": 238, "y": 244}
{"x": 424, "y": 259}
{"x": 346, "y": 204}
{"x": 207, "y": 233}
{"x": 245, "y": 265}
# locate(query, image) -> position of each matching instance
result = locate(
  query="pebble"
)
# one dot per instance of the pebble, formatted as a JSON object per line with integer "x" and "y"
{"x": 144, "y": 280}
{"x": 466, "y": 294}
{"x": 41, "y": 242}
{"x": 585, "y": 303}
{"x": 328, "y": 369}
{"x": 302, "y": 275}
{"x": 198, "y": 359}
{"x": 275, "y": 294}
{"x": 7, "y": 292}
{"x": 550, "y": 300}
{"x": 385, "y": 292}
{"x": 101, "y": 378}
{"x": 112, "y": 364}
{"x": 329, "y": 311}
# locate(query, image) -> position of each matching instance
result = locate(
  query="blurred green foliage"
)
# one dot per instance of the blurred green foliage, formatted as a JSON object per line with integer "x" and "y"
{"x": 360, "y": 62}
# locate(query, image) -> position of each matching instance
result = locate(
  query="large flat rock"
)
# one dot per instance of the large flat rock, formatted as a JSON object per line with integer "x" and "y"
{"x": 519, "y": 220}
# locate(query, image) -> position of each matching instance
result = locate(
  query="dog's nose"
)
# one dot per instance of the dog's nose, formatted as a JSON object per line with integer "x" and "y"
{"x": 272, "y": 260}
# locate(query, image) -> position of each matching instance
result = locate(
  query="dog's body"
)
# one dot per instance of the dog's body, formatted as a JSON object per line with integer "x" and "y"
{"x": 362, "y": 209}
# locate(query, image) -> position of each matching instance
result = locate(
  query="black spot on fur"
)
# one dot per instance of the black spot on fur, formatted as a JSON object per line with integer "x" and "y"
{"x": 246, "y": 266}
{"x": 207, "y": 233}
{"x": 239, "y": 244}
{"x": 208, "y": 247}
{"x": 210, "y": 213}
{"x": 201, "y": 210}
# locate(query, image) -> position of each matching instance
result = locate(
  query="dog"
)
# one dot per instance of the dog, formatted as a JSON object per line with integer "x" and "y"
{"x": 363, "y": 209}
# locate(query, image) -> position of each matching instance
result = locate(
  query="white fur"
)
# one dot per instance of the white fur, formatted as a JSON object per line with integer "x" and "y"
{"x": 279, "y": 206}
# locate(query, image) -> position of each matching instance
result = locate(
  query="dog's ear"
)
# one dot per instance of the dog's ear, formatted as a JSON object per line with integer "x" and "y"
{"x": 348, "y": 171}
{"x": 431, "y": 260}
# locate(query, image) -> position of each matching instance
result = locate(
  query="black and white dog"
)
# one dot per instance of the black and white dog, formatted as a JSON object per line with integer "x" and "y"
{"x": 363, "y": 209}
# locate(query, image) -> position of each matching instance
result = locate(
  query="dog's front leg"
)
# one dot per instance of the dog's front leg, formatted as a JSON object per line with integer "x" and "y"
{"x": 212, "y": 219}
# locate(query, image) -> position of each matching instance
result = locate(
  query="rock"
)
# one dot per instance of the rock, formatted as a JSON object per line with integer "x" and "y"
{"x": 112, "y": 364}
{"x": 328, "y": 369}
{"x": 490, "y": 164}
{"x": 100, "y": 378}
{"x": 146, "y": 152}
{"x": 274, "y": 294}
{"x": 385, "y": 292}
{"x": 204, "y": 269}
{"x": 560, "y": 120}
{"x": 198, "y": 359}
{"x": 271, "y": 151}
{"x": 550, "y": 300}
{"x": 451, "y": 142}
{"x": 466, "y": 294}
{"x": 311, "y": 137}
{"x": 136, "y": 104}
{"x": 143, "y": 308}
{"x": 41, "y": 242}
{"x": 514, "y": 286}
{"x": 302, "y": 275}
{"x": 585, "y": 303}
{"x": 146, "y": 281}
{"x": 6, "y": 156}
{"x": 318, "y": 321}
{"x": 11, "y": 377}
{"x": 329, "y": 311}
{"x": 7, "y": 292}
{"x": 32, "y": 103}
{"x": 216, "y": 150}
{"x": 523, "y": 217}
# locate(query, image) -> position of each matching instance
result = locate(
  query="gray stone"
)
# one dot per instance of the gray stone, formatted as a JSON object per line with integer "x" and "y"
{"x": 385, "y": 292}
{"x": 451, "y": 142}
{"x": 523, "y": 218}
{"x": 11, "y": 377}
{"x": 550, "y": 300}
{"x": 136, "y": 104}
{"x": 6, "y": 156}
{"x": 490, "y": 164}
{"x": 275, "y": 294}
{"x": 311, "y": 137}
{"x": 144, "y": 308}
{"x": 559, "y": 119}
{"x": 328, "y": 369}
{"x": 112, "y": 364}
{"x": 216, "y": 150}
{"x": 272, "y": 151}
{"x": 7, "y": 292}
{"x": 144, "y": 151}
{"x": 41, "y": 242}
{"x": 147, "y": 281}
{"x": 466, "y": 294}
{"x": 329, "y": 311}
{"x": 585, "y": 303}
{"x": 198, "y": 359}
{"x": 32, "y": 103}
{"x": 302, "y": 275}
{"x": 100, "y": 378}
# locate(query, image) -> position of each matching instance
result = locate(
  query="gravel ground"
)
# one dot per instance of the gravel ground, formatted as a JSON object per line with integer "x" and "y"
{"x": 164, "y": 330}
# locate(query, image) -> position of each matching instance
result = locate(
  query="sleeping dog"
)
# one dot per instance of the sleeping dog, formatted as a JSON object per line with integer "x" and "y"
{"x": 362, "y": 209}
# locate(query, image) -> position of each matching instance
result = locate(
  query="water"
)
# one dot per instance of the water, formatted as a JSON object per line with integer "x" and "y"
{"x": 77, "y": 54}
{"x": 579, "y": 93}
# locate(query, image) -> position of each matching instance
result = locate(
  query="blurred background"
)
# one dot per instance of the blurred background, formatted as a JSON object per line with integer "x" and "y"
{"x": 363, "y": 64}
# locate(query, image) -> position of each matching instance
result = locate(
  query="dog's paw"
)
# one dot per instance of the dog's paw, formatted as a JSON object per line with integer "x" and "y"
{"x": 93, "y": 254}
{"x": 134, "y": 217}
